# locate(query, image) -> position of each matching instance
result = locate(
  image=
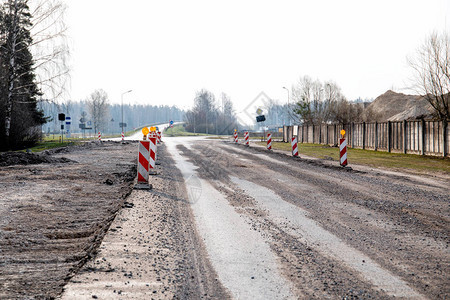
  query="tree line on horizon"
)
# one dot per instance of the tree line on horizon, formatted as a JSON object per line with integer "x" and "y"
{"x": 97, "y": 114}
{"x": 210, "y": 115}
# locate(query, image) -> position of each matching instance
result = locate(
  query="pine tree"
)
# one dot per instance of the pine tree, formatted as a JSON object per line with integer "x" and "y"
{"x": 19, "y": 116}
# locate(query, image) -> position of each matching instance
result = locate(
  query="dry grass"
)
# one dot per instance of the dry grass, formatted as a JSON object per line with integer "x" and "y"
{"x": 373, "y": 158}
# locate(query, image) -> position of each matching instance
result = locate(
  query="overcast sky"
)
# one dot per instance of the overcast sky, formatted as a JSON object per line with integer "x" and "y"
{"x": 165, "y": 51}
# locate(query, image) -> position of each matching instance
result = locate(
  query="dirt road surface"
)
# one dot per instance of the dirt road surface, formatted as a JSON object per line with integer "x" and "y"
{"x": 222, "y": 221}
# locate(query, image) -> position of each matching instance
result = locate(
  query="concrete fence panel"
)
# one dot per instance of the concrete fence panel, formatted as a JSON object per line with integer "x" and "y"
{"x": 416, "y": 137}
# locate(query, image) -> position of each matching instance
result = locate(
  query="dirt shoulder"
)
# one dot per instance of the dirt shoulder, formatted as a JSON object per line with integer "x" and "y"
{"x": 55, "y": 212}
{"x": 152, "y": 250}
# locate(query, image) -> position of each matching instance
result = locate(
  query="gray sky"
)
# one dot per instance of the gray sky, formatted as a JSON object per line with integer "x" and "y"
{"x": 167, "y": 50}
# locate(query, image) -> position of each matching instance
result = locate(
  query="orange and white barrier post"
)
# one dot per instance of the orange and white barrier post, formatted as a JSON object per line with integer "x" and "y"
{"x": 343, "y": 149}
{"x": 246, "y": 139}
{"x": 99, "y": 136}
{"x": 294, "y": 145}
{"x": 269, "y": 141}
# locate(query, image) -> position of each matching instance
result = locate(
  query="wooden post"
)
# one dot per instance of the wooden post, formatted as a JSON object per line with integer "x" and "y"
{"x": 320, "y": 134}
{"x": 444, "y": 137}
{"x": 364, "y": 136}
{"x": 389, "y": 136}
{"x": 353, "y": 134}
{"x": 335, "y": 134}
{"x": 423, "y": 137}
{"x": 313, "y": 133}
{"x": 405, "y": 137}
{"x": 376, "y": 136}
{"x": 302, "y": 132}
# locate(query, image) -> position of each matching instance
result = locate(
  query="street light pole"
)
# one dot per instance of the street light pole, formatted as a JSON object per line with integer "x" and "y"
{"x": 289, "y": 113}
{"x": 122, "y": 104}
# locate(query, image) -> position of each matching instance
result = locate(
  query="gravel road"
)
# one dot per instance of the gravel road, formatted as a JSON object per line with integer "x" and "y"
{"x": 335, "y": 233}
{"x": 222, "y": 221}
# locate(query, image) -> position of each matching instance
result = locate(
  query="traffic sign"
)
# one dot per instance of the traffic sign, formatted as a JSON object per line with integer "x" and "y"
{"x": 171, "y": 122}
{"x": 68, "y": 123}
{"x": 122, "y": 125}
{"x": 261, "y": 118}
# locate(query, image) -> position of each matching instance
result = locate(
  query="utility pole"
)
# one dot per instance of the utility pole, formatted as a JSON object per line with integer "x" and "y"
{"x": 122, "y": 105}
{"x": 288, "y": 107}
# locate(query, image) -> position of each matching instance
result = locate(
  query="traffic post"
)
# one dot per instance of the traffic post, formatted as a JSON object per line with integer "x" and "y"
{"x": 343, "y": 149}
{"x": 294, "y": 144}
{"x": 269, "y": 141}
{"x": 159, "y": 135}
{"x": 143, "y": 163}
{"x": 246, "y": 135}
{"x": 153, "y": 137}
{"x": 236, "y": 136}
{"x": 123, "y": 136}
{"x": 152, "y": 161}
{"x": 99, "y": 136}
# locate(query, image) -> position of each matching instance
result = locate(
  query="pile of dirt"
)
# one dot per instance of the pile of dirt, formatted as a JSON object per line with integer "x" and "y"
{"x": 394, "y": 106}
{"x": 22, "y": 158}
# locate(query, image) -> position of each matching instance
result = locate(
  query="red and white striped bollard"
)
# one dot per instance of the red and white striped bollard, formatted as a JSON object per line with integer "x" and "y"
{"x": 159, "y": 135}
{"x": 246, "y": 135}
{"x": 236, "y": 140}
{"x": 294, "y": 145}
{"x": 123, "y": 136}
{"x": 143, "y": 165}
{"x": 152, "y": 161}
{"x": 343, "y": 152}
{"x": 269, "y": 141}
{"x": 99, "y": 136}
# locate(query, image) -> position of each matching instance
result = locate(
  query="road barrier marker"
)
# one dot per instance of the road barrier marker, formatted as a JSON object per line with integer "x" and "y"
{"x": 269, "y": 141}
{"x": 236, "y": 137}
{"x": 159, "y": 137}
{"x": 152, "y": 160}
{"x": 123, "y": 136}
{"x": 246, "y": 135}
{"x": 343, "y": 149}
{"x": 99, "y": 136}
{"x": 294, "y": 147}
{"x": 143, "y": 165}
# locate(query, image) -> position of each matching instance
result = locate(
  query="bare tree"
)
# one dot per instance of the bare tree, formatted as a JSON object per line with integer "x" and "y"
{"x": 302, "y": 96}
{"x": 50, "y": 48}
{"x": 432, "y": 72}
{"x": 99, "y": 109}
{"x": 316, "y": 101}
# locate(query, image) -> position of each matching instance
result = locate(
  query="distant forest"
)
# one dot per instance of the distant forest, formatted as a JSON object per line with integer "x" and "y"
{"x": 134, "y": 116}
